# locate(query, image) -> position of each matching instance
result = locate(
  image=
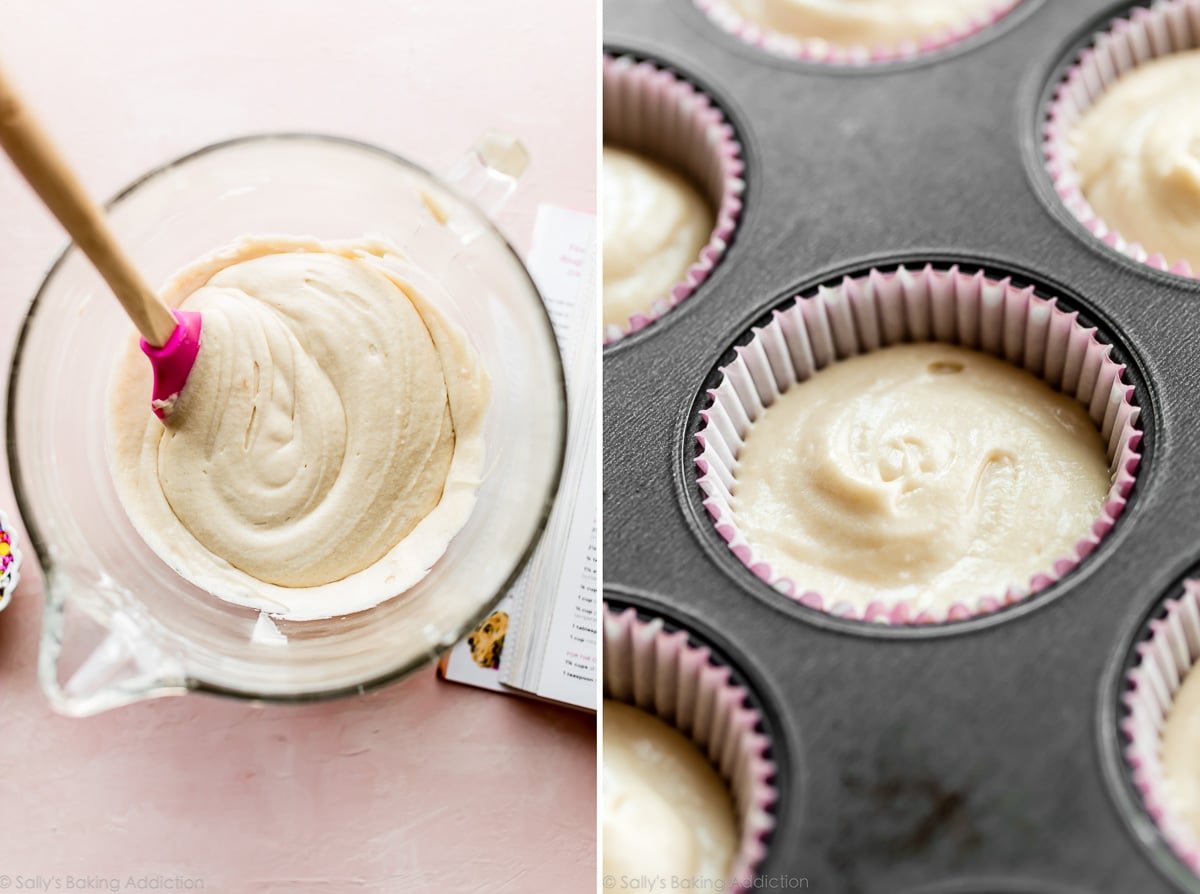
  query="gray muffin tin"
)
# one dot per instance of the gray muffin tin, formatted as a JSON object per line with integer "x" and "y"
{"x": 982, "y": 756}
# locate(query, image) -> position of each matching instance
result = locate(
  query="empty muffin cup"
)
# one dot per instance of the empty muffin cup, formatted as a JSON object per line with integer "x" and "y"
{"x": 667, "y": 135}
{"x": 909, "y": 490}
{"x": 1118, "y": 134}
{"x": 855, "y": 34}
{"x": 665, "y": 674}
{"x": 1161, "y": 722}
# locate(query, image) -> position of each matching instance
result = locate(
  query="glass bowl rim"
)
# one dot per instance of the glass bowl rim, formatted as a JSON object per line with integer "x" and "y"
{"x": 24, "y": 504}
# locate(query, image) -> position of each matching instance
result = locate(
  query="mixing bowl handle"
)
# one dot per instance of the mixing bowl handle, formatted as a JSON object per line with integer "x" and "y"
{"x": 486, "y": 176}
{"x": 96, "y": 654}
{"x": 489, "y": 171}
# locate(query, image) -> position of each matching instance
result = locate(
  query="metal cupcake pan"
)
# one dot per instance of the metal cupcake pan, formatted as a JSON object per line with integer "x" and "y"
{"x": 982, "y": 755}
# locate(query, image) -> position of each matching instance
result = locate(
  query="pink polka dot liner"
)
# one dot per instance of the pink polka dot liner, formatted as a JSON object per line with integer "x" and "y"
{"x": 10, "y": 561}
{"x": 1166, "y": 656}
{"x": 653, "y": 111}
{"x": 879, "y": 309}
{"x": 727, "y": 17}
{"x": 664, "y": 674}
{"x": 1145, "y": 34}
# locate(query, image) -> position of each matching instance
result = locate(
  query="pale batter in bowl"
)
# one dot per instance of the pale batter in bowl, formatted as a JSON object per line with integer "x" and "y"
{"x": 329, "y": 441}
{"x": 1137, "y": 153}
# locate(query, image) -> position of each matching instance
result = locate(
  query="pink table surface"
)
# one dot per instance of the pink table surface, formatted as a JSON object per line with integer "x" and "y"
{"x": 423, "y": 786}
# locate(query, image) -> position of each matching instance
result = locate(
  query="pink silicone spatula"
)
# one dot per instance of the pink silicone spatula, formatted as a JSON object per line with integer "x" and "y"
{"x": 171, "y": 339}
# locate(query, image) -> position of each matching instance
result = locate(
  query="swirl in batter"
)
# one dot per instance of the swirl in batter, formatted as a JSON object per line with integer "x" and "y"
{"x": 927, "y": 473}
{"x": 861, "y": 23}
{"x": 328, "y": 443}
{"x": 1137, "y": 153}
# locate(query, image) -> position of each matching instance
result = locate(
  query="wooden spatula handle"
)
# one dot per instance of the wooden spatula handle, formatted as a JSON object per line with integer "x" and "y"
{"x": 51, "y": 178}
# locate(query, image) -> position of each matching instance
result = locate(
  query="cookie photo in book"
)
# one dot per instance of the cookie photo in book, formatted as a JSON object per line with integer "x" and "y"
{"x": 540, "y": 639}
{"x": 487, "y": 640}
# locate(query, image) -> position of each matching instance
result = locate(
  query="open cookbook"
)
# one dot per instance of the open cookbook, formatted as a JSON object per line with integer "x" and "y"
{"x": 541, "y": 638}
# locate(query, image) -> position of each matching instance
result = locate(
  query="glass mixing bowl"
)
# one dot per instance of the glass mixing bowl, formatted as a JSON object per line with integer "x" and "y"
{"x": 119, "y": 624}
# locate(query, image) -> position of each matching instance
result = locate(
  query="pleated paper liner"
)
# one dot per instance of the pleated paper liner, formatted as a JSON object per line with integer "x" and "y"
{"x": 879, "y": 309}
{"x": 1168, "y": 652}
{"x": 816, "y": 50}
{"x": 1144, "y": 34}
{"x": 651, "y": 110}
{"x": 665, "y": 674}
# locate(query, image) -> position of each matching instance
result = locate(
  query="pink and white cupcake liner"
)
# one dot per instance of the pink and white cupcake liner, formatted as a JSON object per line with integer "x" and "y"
{"x": 1146, "y": 33}
{"x": 878, "y": 309}
{"x": 1170, "y": 651}
{"x": 664, "y": 674}
{"x": 10, "y": 561}
{"x": 816, "y": 50}
{"x": 653, "y": 111}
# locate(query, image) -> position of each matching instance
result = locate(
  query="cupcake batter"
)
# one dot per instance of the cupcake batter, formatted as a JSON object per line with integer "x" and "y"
{"x": 1137, "y": 153}
{"x": 924, "y": 472}
{"x": 1180, "y": 747}
{"x": 328, "y": 443}
{"x": 861, "y": 23}
{"x": 655, "y": 223}
{"x": 666, "y": 812}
